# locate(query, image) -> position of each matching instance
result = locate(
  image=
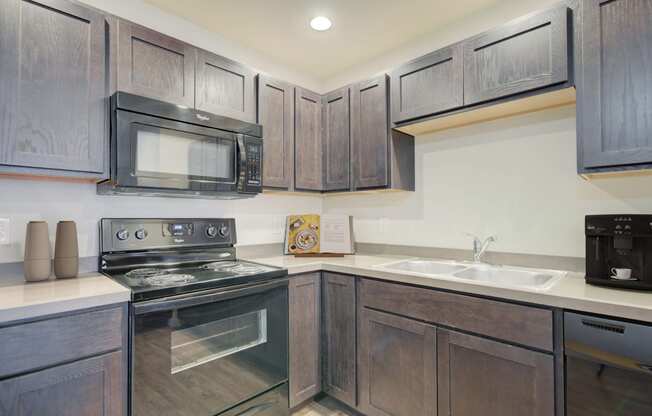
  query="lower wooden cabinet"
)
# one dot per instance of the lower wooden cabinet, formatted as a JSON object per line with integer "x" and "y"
{"x": 339, "y": 337}
{"x": 94, "y": 386}
{"x": 305, "y": 330}
{"x": 397, "y": 366}
{"x": 481, "y": 377}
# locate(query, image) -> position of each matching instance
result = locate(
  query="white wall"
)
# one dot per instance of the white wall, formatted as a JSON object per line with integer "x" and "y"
{"x": 514, "y": 178}
{"x": 258, "y": 220}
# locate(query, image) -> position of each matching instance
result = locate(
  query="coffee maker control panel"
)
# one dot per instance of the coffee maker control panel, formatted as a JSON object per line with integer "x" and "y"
{"x": 619, "y": 225}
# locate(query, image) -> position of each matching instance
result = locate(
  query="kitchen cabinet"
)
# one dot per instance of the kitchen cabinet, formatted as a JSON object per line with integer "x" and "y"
{"x": 614, "y": 108}
{"x": 339, "y": 337}
{"x": 380, "y": 157}
{"x": 478, "y": 376}
{"x": 53, "y": 78}
{"x": 155, "y": 65}
{"x": 522, "y": 55}
{"x": 276, "y": 115}
{"x": 336, "y": 140}
{"x": 305, "y": 339}
{"x": 225, "y": 87}
{"x": 428, "y": 85}
{"x": 307, "y": 141}
{"x": 94, "y": 386}
{"x": 397, "y": 366}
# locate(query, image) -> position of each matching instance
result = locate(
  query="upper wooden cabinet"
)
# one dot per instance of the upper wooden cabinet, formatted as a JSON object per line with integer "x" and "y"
{"x": 336, "y": 140}
{"x": 428, "y": 85}
{"x": 53, "y": 83}
{"x": 154, "y": 65}
{"x": 225, "y": 87}
{"x": 522, "y": 55}
{"x": 276, "y": 114}
{"x": 478, "y": 376}
{"x": 307, "y": 141}
{"x": 614, "y": 109}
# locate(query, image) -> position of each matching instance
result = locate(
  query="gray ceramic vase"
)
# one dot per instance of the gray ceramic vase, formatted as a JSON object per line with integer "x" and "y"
{"x": 66, "y": 250}
{"x": 38, "y": 263}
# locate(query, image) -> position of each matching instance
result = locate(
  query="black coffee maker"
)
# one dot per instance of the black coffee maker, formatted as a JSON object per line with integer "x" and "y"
{"x": 619, "y": 244}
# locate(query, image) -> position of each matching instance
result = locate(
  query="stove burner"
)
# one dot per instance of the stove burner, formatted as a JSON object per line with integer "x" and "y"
{"x": 219, "y": 265}
{"x": 144, "y": 273}
{"x": 169, "y": 279}
{"x": 235, "y": 267}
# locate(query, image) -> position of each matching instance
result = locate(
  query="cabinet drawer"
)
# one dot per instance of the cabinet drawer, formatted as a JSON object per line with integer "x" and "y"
{"x": 514, "y": 323}
{"x": 35, "y": 345}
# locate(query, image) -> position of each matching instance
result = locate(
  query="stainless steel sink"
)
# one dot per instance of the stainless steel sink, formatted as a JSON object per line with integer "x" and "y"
{"x": 496, "y": 275}
{"x": 427, "y": 267}
{"x": 505, "y": 276}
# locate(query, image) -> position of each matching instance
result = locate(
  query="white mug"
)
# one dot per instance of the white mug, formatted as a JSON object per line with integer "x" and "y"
{"x": 621, "y": 274}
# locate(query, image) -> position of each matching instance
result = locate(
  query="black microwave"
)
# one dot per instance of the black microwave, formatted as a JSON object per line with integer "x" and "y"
{"x": 162, "y": 149}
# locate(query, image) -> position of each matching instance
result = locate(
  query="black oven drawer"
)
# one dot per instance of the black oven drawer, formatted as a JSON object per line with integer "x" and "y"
{"x": 272, "y": 403}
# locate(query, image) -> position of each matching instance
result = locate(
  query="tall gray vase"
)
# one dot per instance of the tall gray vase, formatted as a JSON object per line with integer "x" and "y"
{"x": 66, "y": 250}
{"x": 38, "y": 263}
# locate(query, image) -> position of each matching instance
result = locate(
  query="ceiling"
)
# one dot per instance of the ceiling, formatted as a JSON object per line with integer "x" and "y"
{"x": 362, "y": 29}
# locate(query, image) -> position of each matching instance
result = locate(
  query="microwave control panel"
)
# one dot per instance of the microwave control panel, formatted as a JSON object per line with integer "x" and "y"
{"x": 254, "y": 163}
{"x": 251, "y": 164}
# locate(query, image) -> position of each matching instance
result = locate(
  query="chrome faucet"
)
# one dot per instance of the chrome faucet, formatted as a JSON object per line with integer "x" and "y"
{"x": 479, "y": 247}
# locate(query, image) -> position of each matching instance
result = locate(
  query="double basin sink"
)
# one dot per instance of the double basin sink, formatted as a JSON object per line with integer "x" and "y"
{"x": 534, "y": 279}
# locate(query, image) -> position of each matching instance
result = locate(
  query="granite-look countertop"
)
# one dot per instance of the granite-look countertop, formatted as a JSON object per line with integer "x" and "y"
{"x": 22, "y": 300}
{"x": 571, "y": 292}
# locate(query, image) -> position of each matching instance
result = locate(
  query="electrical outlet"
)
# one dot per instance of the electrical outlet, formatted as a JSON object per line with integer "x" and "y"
{"x": 5, "y": 227}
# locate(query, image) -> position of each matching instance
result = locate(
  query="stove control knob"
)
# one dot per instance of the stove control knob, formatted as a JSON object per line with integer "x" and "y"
{"x": 224, "y": 230}
{"x": 122, "y": 234}
{"x": 211, "y": 231}
{"x": 141, "y": 234}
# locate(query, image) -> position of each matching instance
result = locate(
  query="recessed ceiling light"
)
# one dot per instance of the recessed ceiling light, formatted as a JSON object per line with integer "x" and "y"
{"x": 321, "y": 23}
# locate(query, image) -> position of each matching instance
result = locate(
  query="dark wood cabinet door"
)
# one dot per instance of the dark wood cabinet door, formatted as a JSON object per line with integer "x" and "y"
{"x": 614, "y": 106}
{"x": 305, "y": 330}
{"x": 94, "y": 386}
{"x": 339, "y": 337}
{"x": 307, "y": 141}
{"x": 396, "y": 365}
{"x": 370, "y": 134}
{"x": 480, "y": 377}
{"x": 428, "y": 85}
{"x": 525, "y": 54}
{"x": 154, "y": 65}
{"x": 336, "y": 140}
{"x": 276, "y": 115}
{"x": 225, "y": 87}
{"x": 53, "y": 87}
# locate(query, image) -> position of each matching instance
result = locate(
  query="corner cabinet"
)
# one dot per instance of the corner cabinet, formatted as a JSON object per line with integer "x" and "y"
{"x": 307, "y": 141}
{"x": 336, "y": 140}
{"x": 614, "y": 109}
{"x": 53, "y": 78}
{"x": 276, "y": 114}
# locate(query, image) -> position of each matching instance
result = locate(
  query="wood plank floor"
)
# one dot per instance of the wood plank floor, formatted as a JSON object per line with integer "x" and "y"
{"x": 323, "y": 407}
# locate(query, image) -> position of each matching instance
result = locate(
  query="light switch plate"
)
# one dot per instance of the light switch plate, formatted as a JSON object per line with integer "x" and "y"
{"x": 5, "y": 228}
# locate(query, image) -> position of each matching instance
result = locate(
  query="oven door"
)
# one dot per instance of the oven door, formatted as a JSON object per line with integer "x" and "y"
{"x": 204, "y": 353}
{"x": 152, "y": 152}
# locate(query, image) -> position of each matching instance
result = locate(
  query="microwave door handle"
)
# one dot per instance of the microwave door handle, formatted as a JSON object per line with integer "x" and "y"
{"x": 194, "y": 299}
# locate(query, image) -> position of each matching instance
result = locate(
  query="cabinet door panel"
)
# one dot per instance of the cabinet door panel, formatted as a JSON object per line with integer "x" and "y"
{"x": 53, "y": 100}
{"x": 276, "y": 114}
{"x": 615, "y": 87}
{"x": 339, "y": 363}
{"x": 479, "y": 377}
{"x": 370, "y": 134}
{"x": 336, "y": 140}
{"x": 305, "y": 330}
{"x": 528, "y": 53}
{"x": 225, "y": 87}
{"x": 397, "y": 366}
{"x": 428, "y": 85}
{"x": 94, "y": 386}
{"x": 154, "y": 65}
{"x": 307, "y": 141}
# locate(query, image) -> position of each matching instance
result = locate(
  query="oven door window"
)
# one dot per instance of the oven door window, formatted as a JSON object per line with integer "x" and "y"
{"x": 201, "y": 360}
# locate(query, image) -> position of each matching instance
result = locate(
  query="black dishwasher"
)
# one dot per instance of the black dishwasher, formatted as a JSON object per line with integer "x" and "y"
{"x": 608, "y": 366}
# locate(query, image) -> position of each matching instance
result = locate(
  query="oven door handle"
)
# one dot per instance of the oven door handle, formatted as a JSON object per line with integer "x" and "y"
{"x": 213, "y": 296}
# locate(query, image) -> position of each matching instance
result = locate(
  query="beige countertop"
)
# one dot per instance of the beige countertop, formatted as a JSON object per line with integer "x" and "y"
{"x": 21, "y": 300}
{"x": 571, "y": 292}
